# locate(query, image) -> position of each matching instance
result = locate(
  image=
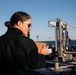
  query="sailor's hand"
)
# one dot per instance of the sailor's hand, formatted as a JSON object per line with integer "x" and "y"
{"x": 44, "y": 50}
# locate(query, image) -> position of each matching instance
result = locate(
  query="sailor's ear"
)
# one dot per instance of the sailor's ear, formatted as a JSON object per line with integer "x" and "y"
{"x": 19, "y": 23}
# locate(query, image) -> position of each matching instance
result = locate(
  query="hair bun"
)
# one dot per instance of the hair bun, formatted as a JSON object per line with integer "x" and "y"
{"x": 7, "y": 23}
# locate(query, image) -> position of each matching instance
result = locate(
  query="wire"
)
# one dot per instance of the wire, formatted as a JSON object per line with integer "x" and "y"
{"x": 72, "y": 28}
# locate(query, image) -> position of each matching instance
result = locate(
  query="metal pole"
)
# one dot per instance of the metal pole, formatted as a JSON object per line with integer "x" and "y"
{"x": 56, "y": 45}
{"x": 37, "y": 37}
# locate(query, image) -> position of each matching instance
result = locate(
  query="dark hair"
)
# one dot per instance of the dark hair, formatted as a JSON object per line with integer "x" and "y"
{"x": 7, "y": 23}
{"x": 17, "y": 16}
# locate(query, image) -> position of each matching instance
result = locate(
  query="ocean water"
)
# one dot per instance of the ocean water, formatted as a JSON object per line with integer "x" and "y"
{"x": 71, "y": 43}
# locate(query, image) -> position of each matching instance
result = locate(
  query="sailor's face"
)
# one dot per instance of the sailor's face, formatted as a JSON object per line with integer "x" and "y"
{"x": 26, "y": 26}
